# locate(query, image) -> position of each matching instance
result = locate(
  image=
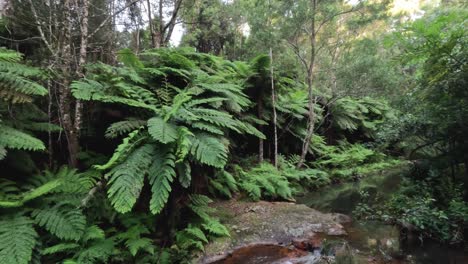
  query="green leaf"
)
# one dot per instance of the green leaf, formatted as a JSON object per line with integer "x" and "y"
{"x": 162, "y": 131}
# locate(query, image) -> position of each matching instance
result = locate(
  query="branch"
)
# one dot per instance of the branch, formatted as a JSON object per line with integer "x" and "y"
{"x": 39, "y": 28}
{"x": 172, "y": 21}
{"x": 111, "y": 16}
{"x": 297, "y": 52}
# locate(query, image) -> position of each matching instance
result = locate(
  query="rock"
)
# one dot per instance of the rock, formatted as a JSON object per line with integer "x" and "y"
{"x": 342, "y": 218}
{"x": 273, "y": 222}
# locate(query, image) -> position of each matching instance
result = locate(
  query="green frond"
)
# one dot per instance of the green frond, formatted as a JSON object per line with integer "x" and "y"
{"x": 185, "y": 174}
{"x": 129, "y": 143}
{"x": 135, "y": 245}
{"x": 9, "y": 55}
{"x": 183, "y": 143}
{"x": 17, "y": 240}
{"x": 62, "y": 247}
{"x": 160, "y": 175}
{"x": 126, "y": 179}
{"x": 129, "y": 59}
{"x": 15, "y": 139}
{"x": 93, "y": 232}
{"x": 18, "y": 84}
{"x": 98, "y": 252}
{"x": 214, "y": 227}
{"x": 65, "y": 222}
{"x": 124, "y": 127}
{"x": 162, "y": 131}
{"x": 196, "y": 233}
{"x": 209, "y": 150}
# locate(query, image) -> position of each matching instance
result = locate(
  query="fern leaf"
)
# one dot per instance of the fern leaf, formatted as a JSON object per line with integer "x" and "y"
{"x": 161, "y": 130}
{"x": 183, "y": 143}
{"x": 126, "y": 179}
{"x": 60, "y": 248}
{"x": 15, "y": 139}
{"x": 123, "y": 127}
{"x": 137, "y": 244}
{"x": 196, "y": 233}
{"x": 185, "y": 174}
{"x": 214, "y": 227}
{"x": 132, "y": 140}
{"x": 209, "y": 150}
{"x": 161, "y": 174}
{"x": 65, "y": 222}
{"x": 17, "y": 240}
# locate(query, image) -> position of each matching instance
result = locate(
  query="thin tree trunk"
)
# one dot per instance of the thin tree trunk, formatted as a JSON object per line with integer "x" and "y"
{"x": 261, "y": 153}
{"x": 82, "y": 60}
{"x": 150, "y": 21}
{"x": 65, "y": 92}
{"x": 311, "y": 98}
{"x": 160, "y": 35}
{"x": 273, "y": 102}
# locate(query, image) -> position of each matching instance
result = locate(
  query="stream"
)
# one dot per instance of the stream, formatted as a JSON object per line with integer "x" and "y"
{"x": 365, "y": 242}
{"x": 373, "y": 238}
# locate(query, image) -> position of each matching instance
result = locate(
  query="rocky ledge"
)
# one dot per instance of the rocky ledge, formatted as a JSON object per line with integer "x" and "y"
{"x": 274, "y": 223}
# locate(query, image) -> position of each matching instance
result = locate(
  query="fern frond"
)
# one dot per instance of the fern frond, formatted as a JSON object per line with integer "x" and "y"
{"x": 17, "y": 240}
{"x": 126, "y": 179}
{"x": 162, "y": 131}
{"x": 129, "y": 143}
{"x": 214, "y": 227}
{"x": 98, "y": 252}
{"x": 185, "y": 174}
{"x": 160, "y": 175}
{"x": 209, "y": 150}
{"x": 62, "y": 247}
{"x": 65, "y": 222}
{"x": 183, "y": 143}
{"x": 15, "y": 139}
{"x": 123, "y": 127}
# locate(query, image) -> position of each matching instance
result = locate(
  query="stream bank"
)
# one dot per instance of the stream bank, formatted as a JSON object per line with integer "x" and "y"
{"x": 285, "y": 233}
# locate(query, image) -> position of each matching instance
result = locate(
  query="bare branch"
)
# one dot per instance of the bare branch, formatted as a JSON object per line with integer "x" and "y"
{"x": 111, "y": 16}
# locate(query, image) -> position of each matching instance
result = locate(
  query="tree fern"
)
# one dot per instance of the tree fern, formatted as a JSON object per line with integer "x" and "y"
{"x": 161, "y": 174}
{"x": 17, "y": 240}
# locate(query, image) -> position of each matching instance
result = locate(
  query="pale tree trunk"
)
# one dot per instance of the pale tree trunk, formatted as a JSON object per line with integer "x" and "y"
{"x": 273, "y": 102}
{"x": 65, "y": 98}
{"x": 82, "y": 59}
{"x": 150, "y": 22}
{"x": 261, "y": 151}
{"x": 310, "y": 93}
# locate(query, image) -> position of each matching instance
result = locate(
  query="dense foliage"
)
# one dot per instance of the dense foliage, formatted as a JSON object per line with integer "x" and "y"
{"x": 113, "y": 143}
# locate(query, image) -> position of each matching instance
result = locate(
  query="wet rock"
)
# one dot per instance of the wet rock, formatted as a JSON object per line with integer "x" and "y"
{"x": 269, "y": 222}
{"x": 342, "y": 218}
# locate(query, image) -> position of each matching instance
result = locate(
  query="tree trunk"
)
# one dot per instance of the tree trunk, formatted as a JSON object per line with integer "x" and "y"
{"x": 82, "y": 60}
{"x": 273, "y": 102}
{"x": 261, "y": 153}
{"x": 65, "y": 98}
{"x": 310, "y": 82}
{"x": 150, "y": 22}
